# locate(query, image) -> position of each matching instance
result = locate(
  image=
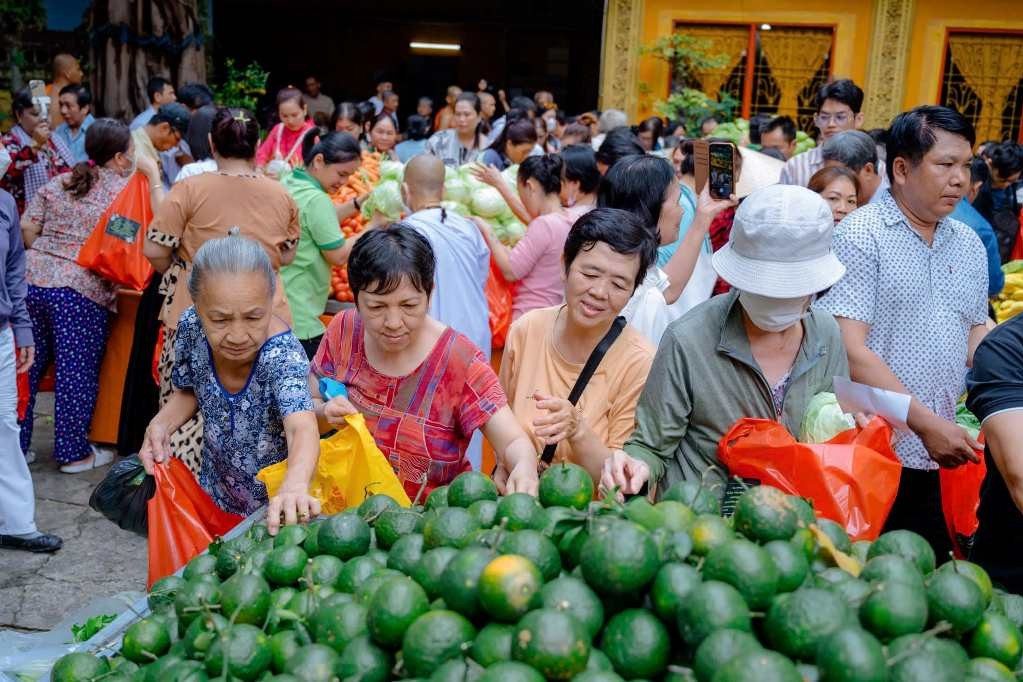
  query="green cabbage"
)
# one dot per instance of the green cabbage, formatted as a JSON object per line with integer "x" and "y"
{"x": 455, "y": 190}
{"x": 455, "y": 207}
{"x": 510, "y": 231}
{"x": 487, "y": 202}
{"x": 511, "y": 176}
{"x": 392, "y": 170}
{"x": 967, "y": 421}
{"x": 824, "y": 419}
{"x": 385, "y": 199}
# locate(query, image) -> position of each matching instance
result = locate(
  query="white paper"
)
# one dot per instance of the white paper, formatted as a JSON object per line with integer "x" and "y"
{"x": 854, "y": 397}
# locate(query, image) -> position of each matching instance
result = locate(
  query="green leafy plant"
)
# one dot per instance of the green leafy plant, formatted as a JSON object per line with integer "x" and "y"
{"x": 242, "y": 87}
{"x": 83, "y": 632}
{"x": 687, "y": 56}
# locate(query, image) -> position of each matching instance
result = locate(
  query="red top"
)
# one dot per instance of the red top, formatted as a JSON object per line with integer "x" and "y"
{"x": 284, "y": 144}
{"x": 720, "y": 231}
{"x": 422, "y": 422}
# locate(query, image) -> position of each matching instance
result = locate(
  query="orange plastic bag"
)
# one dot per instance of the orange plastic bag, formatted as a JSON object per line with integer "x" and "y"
{"x": 960, "y": 497}
{"x": 183, "y": 520}
{"x": 114, "y": 249}
{"x": 499, "y": 301}
{"x": 852, "y": 479}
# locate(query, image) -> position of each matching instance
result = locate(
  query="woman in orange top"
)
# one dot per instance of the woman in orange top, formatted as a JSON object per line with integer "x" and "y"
{"x": 606, "y": 256}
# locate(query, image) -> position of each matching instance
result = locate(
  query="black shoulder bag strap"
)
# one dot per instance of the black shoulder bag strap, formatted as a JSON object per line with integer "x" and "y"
{"x": 584, "y": 377}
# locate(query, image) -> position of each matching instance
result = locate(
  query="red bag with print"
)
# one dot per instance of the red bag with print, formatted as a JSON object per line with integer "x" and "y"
{"x": 114, "y": 249}
{"x": 499, "y": 301}
{"x": 183, "y": 520}
{"x": 852, "y": 479}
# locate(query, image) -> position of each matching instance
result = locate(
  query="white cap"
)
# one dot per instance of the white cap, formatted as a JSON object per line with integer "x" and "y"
{"x": 780, "y": 244}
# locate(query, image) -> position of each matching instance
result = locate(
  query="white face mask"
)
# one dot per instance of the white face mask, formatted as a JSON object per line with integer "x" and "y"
{"x": 774, "y": 314}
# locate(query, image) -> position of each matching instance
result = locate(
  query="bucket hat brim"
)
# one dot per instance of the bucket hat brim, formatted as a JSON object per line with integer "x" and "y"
{"x": 777, "y": 280}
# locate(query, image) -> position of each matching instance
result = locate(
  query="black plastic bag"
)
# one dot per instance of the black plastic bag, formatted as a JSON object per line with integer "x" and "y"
{"x": 123, "y": 494}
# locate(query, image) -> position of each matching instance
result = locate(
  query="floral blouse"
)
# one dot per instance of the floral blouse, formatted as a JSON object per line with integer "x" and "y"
{"x": 30, "y": 168}
{"x": 66, "y": 224}
{"x": 243, "y": 432}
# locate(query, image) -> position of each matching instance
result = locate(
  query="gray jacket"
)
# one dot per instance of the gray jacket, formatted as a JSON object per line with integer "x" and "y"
{"x": 13, "y": 287}
{"x": 704, "y": 379}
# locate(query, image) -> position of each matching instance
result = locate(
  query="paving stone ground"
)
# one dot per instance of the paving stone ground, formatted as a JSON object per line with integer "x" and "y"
{"x": 98, "y": 558}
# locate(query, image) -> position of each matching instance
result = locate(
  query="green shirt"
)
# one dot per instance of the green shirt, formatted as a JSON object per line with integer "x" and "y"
{"x": 704, "y": 379}
{"x": 307, "y": 278}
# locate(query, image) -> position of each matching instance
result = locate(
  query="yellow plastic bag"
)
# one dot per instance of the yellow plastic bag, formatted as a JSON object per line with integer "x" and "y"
{"x": 350, "y": 467}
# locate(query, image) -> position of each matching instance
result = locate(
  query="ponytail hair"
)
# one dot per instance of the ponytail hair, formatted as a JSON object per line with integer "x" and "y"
{"x": 104, "y": 139}
{"x": 545, "y": 169}
{"x": 235, "y": 133}
{"x": 336, "y": 147}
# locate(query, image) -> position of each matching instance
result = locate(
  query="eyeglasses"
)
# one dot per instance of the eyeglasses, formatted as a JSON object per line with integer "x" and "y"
{"x": 823, "y": 120}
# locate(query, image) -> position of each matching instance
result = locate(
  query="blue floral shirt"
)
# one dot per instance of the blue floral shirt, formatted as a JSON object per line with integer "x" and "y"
{"x": 243, "y": 432}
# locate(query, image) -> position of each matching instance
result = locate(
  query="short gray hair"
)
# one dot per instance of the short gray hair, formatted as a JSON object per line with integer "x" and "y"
{"x": 854, "y": 149}
{"x": 233, "y": 254}
{"x": 611, "y": 119}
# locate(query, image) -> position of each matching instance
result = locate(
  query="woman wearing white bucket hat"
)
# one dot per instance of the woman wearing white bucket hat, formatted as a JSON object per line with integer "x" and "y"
{"x": 757, "y": 351}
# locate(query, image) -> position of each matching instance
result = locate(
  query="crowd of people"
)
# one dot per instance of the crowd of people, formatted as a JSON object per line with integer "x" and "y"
{"x": 871, "y": 256}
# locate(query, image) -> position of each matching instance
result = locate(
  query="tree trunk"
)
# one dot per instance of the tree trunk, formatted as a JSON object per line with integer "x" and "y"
{"x": 139, "y": 39}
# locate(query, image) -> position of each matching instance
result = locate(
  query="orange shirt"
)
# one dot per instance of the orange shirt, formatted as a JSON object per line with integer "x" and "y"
{"x": 531, "y": 362}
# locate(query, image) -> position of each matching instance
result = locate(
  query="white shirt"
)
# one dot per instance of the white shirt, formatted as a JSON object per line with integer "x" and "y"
{"x": 196, "y": 168}
{"x": 920, "y": 300}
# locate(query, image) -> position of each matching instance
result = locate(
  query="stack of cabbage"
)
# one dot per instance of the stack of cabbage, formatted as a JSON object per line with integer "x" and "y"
{"x": 463, "y": 194}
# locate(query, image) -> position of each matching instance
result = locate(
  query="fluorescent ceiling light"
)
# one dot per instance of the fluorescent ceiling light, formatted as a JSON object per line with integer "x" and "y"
{"x": 445, "y": 47}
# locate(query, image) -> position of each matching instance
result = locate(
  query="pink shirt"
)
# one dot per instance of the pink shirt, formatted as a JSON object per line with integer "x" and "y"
{"x": 536, "y": 263}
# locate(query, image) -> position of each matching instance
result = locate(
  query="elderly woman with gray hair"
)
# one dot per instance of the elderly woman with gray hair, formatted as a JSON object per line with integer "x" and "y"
{"x": 241, "y": 367}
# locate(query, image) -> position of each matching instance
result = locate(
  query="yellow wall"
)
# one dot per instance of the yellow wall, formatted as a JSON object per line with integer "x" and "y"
{"x": 931, "y": 19}
{"x": 852, "y": 20}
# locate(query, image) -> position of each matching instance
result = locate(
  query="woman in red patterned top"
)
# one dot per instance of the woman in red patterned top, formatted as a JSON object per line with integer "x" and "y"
{"x": 423, "y": 387}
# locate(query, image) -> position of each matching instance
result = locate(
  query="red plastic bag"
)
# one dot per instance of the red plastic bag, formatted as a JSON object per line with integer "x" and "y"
{"x": 852, "y": 479}
{"x": 960, "y": 497}
{"x": 183, "y": 520}
{"x": 114, "y": 249}
{"x": 499, "y": 301}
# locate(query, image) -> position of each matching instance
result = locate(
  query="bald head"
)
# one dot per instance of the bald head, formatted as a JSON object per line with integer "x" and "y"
{"x": 424, "y": 177}
{"x": 66, "y": 69}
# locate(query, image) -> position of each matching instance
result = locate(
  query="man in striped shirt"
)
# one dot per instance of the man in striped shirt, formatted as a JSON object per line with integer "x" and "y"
{"x": 838, "y": 109}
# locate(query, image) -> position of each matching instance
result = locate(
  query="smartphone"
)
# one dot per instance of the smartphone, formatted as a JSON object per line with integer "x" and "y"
{"x": 722, "y": 170}
{"x": 39, "y": 96}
